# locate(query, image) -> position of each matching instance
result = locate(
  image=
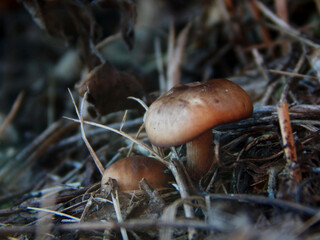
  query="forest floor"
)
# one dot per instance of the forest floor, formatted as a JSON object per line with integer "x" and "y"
{"x": 63, "y": 56}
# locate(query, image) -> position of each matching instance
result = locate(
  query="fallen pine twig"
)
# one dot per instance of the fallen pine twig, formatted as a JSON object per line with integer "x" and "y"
{"x": 288, "y": 141}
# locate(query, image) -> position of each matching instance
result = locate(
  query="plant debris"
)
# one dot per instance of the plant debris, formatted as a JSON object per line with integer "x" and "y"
{"x": 113, "y": 57}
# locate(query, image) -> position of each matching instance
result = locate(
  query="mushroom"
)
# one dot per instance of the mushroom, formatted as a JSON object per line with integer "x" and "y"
{"x": 188, "y": 112}
{"x": 130, "y": 170}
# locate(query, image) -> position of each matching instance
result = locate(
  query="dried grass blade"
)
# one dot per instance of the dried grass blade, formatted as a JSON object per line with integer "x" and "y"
{"x": 160, "y": 67}
{"x": 175, "y": 57}
{"x": 92, "y": 152}
{"x": 293, "y": 74}
{"x": 257, "y": 16}
{"x": 124, "y": 135}
{"x": 55, "y": 213}
{"x": 124, "y": 118}
{"x": 116, "y": 205}
{"x": 284, "y": 27}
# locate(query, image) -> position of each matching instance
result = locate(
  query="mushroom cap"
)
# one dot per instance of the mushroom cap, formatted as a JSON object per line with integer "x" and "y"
{"x": 130, "y": 170}
{"x": 188, "y": 110}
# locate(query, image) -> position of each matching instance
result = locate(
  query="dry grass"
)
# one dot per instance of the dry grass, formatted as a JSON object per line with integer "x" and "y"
{"x": 265, "y": 183}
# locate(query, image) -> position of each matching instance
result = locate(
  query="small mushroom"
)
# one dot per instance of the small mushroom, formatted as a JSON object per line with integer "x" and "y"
{"x": 130, "y": 170}
{"x": 188, "y": 112}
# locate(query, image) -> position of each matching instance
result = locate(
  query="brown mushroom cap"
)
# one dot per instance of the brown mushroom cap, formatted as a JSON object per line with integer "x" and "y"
{"x": 130, "y": 170}
{"x": 188, "y": 110}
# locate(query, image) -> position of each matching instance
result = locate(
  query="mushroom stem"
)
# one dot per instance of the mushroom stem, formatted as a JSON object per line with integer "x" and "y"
{"x": 200, "y": 155}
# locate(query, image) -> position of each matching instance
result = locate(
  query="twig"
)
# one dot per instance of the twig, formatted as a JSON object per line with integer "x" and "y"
{"x": 288, "y": 142}
{"x": 14, "y": 109}
{"x": 284, "y": 27}
{"x": 257, "y": 16}
{"x": 86, "y": 207}
{"x": 292, "y": 74}
{"x": 124, "y": 118}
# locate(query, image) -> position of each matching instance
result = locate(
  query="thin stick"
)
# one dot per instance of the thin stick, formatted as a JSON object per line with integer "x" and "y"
{"x": 257, "y": 16}
{"x": 14, "y": 109}
{"x": 288, "y": 142}
{"x": 284, "y": 27}
{"x": 274, "y": 18}
{"x": 292, "y": 74}
{"x": 124, "y": 118}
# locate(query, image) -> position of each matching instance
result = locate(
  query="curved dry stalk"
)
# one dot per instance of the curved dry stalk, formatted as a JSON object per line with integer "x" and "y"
{"x": 142, "y": 103}
{"x": 122, "y": 134}
{"x": 83, "y": 134}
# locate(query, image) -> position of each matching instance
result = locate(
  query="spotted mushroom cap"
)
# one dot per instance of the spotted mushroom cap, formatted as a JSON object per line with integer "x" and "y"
{"x": 130, "y": 170}
{"x": 188, "y": 110}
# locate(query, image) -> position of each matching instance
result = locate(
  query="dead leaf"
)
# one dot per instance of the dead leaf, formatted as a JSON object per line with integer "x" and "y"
{"x": 109, "y": 89}
{"x": 63, "y": 19}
